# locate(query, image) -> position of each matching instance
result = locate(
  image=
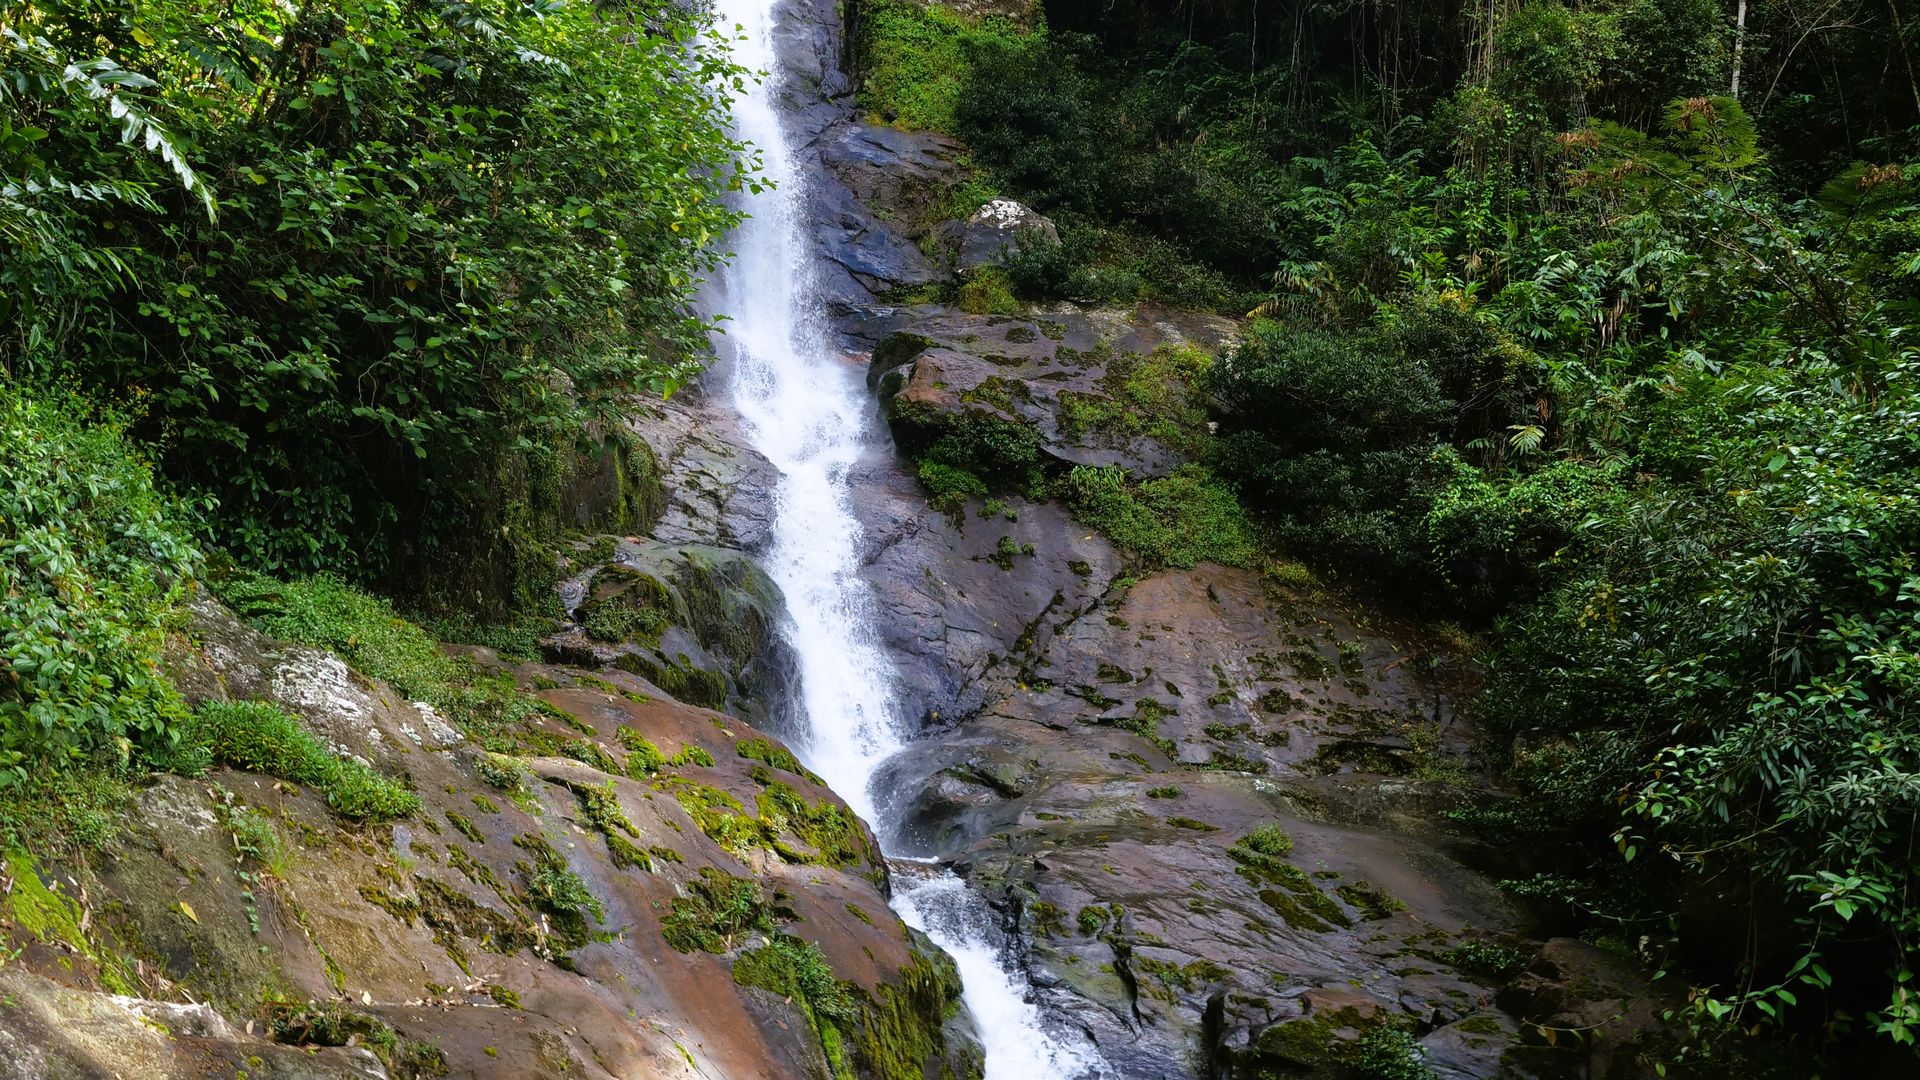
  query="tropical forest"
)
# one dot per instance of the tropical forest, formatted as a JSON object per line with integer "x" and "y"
{"x": 960, "y": 539}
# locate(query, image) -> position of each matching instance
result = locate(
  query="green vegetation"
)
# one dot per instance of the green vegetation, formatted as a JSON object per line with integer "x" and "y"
{"x": 778, "y": 757}
{"x": 256, "y": 736}
{"x": 376, "y": 641}
{"x": 1178, "y": 520}
{"x": 560, "y": 891}
{"x": 1388, "y": 1053}
{"x": 1264, "y": 847}
{"x": 362, "y": 288}
{"x": 92, "y": 561}
{"x": 716, "y": 911}
{"x": 1590, "y": 323}
{"x": 915, "y": 60}
{"x": 799, "y": 971}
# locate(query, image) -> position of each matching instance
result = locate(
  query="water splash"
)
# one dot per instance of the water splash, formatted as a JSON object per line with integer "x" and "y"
{"x": 806, "y": 409}
{"x": 1018, "y": 1041}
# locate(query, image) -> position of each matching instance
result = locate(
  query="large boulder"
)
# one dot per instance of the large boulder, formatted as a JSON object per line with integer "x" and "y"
{"x": 998, "y": 229}
{"x": 901, "y": 175}
{"x": 1079, "y": 388}
{"x": 698, "y": 623}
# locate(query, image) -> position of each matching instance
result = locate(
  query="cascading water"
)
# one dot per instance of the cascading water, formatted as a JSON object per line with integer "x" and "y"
{"x": 806, "y": 410}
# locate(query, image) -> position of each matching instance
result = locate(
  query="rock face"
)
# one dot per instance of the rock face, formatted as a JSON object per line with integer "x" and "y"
{"x": 698, "y": 622}
{"x": 433, "y": 941}
{"x": 1208, "y": 802}
{"x": 1000, "y": 228}
{"x": 1061, "y": 380}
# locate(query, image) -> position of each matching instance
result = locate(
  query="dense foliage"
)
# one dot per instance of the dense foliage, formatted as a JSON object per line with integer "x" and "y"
{"x": 1588, "y": 321}
{"x": 383, "y": 257}
{"x": 91, "y": 560}
{"x": 337, "y": 286}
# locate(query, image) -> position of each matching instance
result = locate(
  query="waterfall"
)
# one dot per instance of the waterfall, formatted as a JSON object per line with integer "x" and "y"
{"x": 806, "y": 410}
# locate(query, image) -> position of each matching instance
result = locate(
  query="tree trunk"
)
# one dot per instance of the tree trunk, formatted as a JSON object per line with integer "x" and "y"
{"x": 1739, "y": 45}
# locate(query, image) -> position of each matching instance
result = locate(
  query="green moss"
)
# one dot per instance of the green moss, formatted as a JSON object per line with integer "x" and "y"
{"x": 485, "y": 805}
{"x": 719, "y": 815}
{"x": 995, "y": 450}
{"x": 589, "y": 752}
{"x": 988, "y": 291}
{"x": 1371, "y": 902}
{"x": 259, "y": 737}
{"x": 1192, "y": 824}
{"x": 600, "y": 807}
{"x": 798, "y": 971}
{"x": 1181, "y": 519}
{"x": 900, "y": 1029}
{"x": 1169, "y": 791}
{"x": 643, "y": 758}
{"x": 691, "y": 755}
{"x": 559, "y": 891}
{"x": 1153, "y": 395}
{"x": 38, "y": 910}
{"x": 692, "y": 685}
{"x": 1145, "y": 722}
{"x": 373, "y": 639}
{"x": 778, "y": 757}
{"x": 948, "y": 486}
{"x": 627, "y": 606}
{"x": 1182, "y": 977}
{"x": 859, "y": 912}
{"x": 465, "y": 826}
{"x": 831, "y": 830}
{"x": 716, "y": 910}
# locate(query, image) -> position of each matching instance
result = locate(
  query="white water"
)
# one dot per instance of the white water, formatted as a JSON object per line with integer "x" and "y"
{"x": 806, "y": 409}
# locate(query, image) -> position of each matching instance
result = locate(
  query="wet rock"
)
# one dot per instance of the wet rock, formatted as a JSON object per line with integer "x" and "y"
{"x": 1000, "y": 228}
{"x": 53, "y": 1032}
{"x": 1062, "y": 381}
{"x": 698, "y": 623}
{"x": 718, "y": 490}
{"x": 903, "y": 175}
{"x": 440, "y": 933}
{"x": 1117, "y": 747}
{"x": 1571, "y": 985}
{"x": 849, "y": 234}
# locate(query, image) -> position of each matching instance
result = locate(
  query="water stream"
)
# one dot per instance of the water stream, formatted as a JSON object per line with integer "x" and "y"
{"x": 807, "y": 410}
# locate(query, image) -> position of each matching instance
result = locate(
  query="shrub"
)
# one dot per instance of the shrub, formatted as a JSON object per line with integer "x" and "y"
{"x": 259, "y": 737}
{"x": 915, "y": 60}
{"x": 1177, "y": 520}
{"x": 92, "y": 561}
{"x": 1387, "y": 1053}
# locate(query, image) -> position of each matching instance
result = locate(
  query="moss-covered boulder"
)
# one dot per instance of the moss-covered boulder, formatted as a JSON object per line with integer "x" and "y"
{"x": 699, "y": 623}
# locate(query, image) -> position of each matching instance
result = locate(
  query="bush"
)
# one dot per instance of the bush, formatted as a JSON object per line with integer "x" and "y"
{"x": 915, "y": 60}
{"x": 259, "y": 737}
{"x": 1178, "y": 520}
{"x": 92, "y": 562}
